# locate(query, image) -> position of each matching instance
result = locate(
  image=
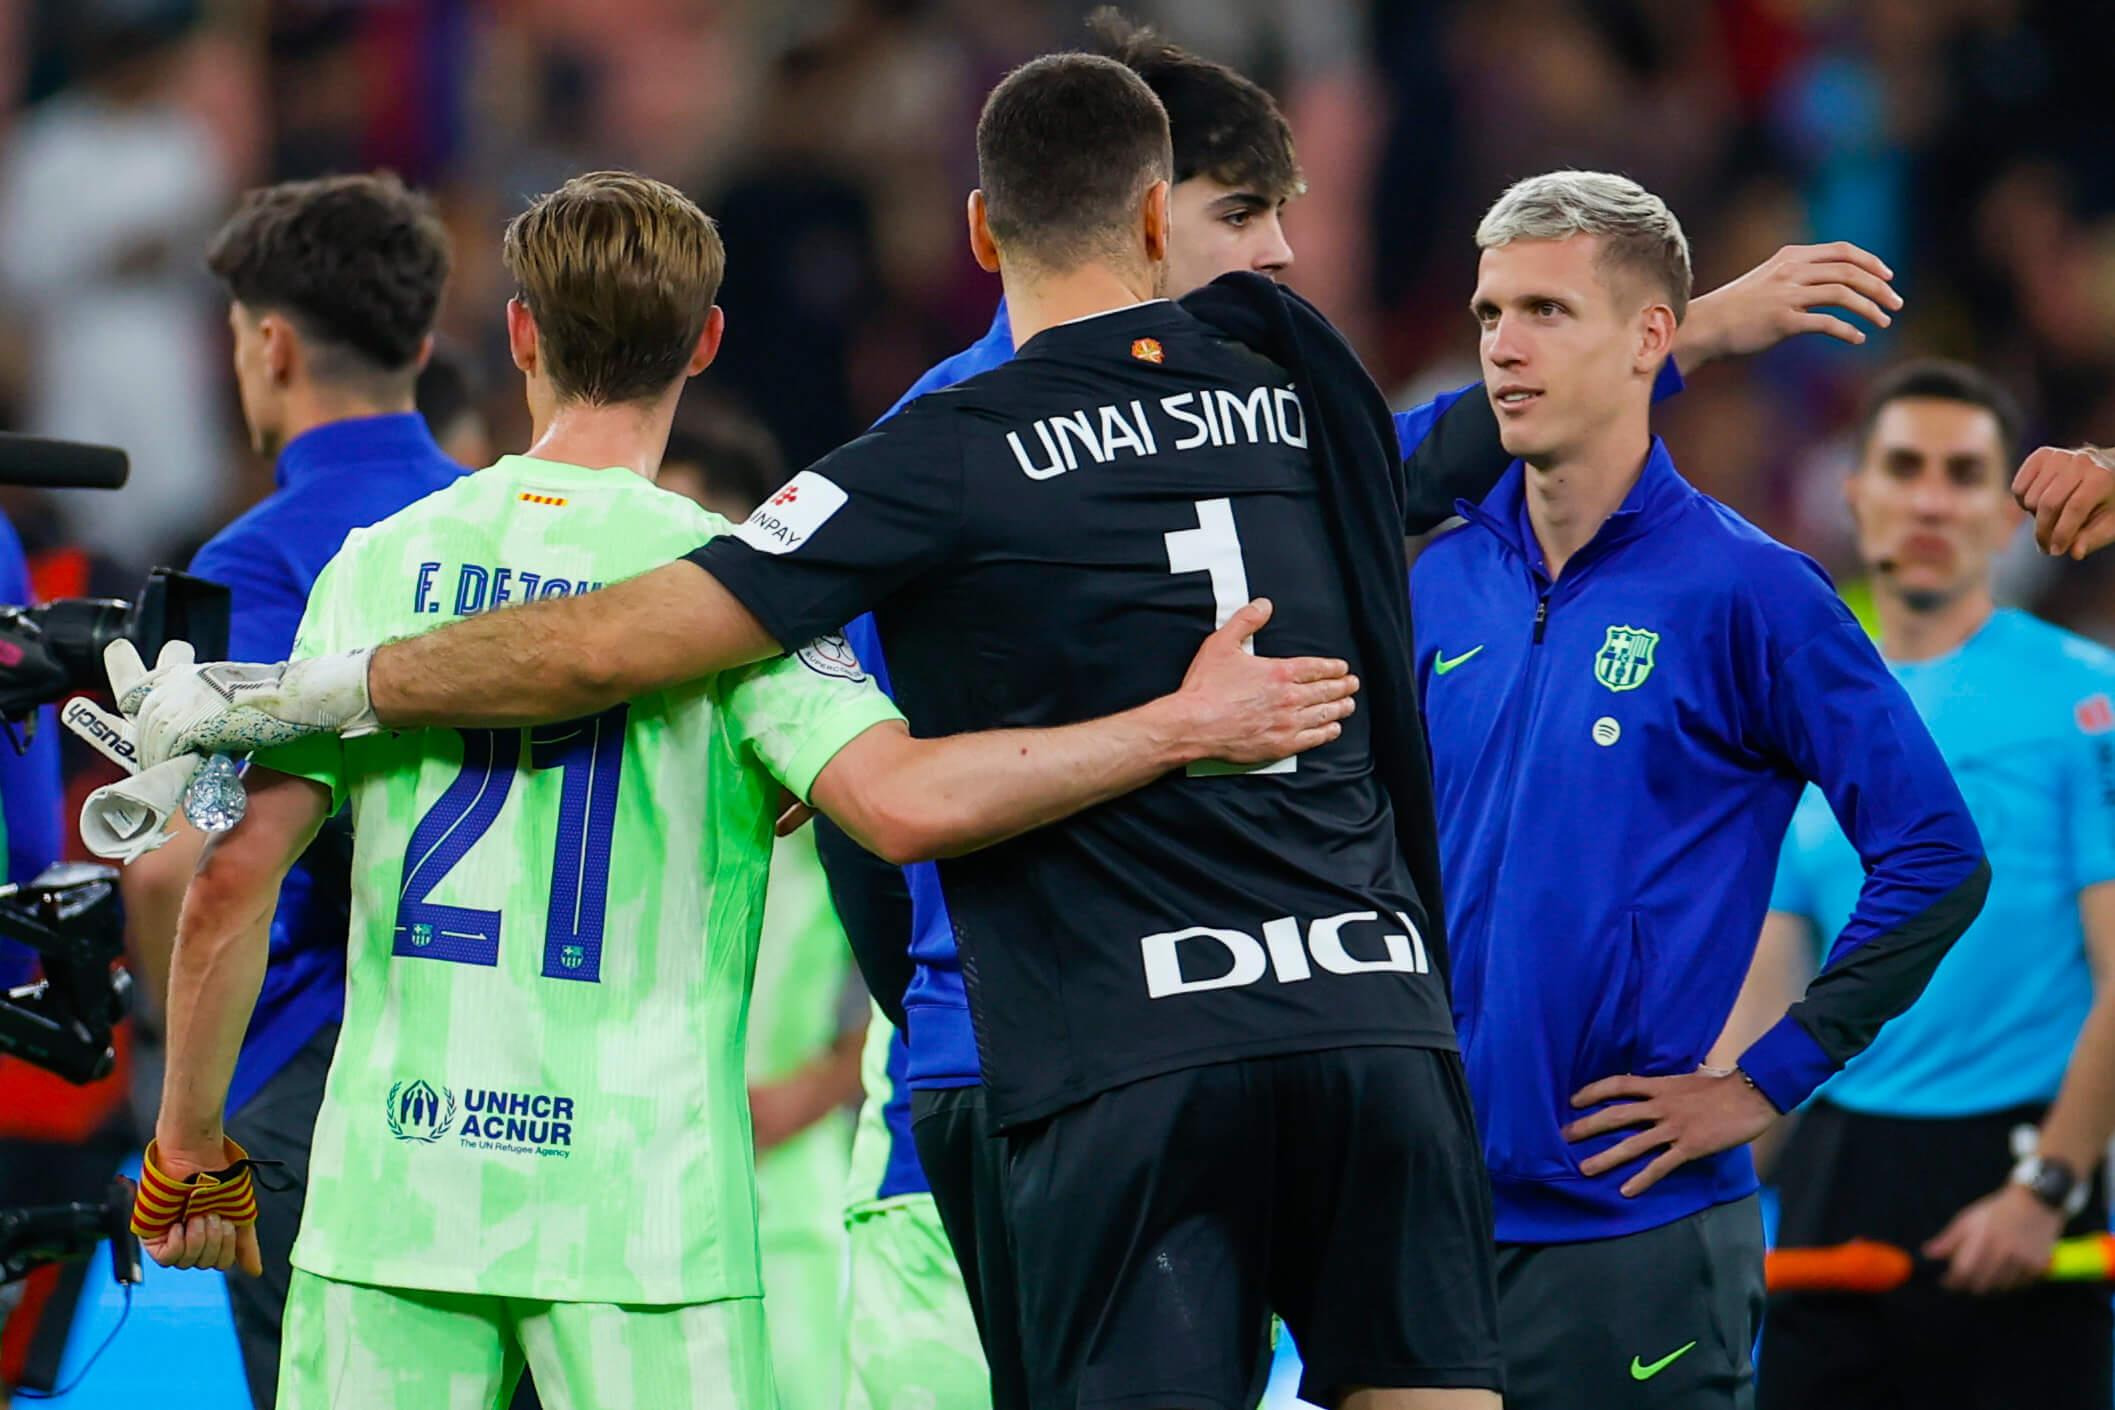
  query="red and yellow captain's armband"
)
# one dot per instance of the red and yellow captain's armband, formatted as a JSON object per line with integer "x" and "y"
{"x": 165, "y": 1201}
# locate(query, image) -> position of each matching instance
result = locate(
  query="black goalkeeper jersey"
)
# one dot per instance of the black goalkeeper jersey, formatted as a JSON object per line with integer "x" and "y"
{"x": 1050, "y": 542}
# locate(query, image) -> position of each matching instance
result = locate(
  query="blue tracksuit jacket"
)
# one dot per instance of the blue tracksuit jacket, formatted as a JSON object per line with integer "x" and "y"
{"x": 1616, "y": 756}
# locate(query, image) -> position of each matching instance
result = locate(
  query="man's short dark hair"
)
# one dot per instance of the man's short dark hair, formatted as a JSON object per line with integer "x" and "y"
{"x": 1066, "y": 146}
{"x": 1224, "y": 125}
{"x": 1941, "y": 379}
{"x": 356, "y": 262}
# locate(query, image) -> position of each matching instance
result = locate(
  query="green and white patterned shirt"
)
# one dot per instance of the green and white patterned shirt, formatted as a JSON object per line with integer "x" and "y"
{"x": 538, "y": 1090}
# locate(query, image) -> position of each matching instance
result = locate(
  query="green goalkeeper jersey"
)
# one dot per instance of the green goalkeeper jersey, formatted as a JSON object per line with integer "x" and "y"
{"x": 538, "y": 1090}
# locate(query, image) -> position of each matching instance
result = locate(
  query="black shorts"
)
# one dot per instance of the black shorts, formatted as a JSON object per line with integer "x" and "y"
{"x": 964, "y": 1162}
{"x": 1900, "y": 1180}
{"x": 1157, "y": 1225}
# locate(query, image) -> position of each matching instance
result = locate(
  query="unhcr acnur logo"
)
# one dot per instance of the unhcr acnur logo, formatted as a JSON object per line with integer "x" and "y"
{"x": 417, "y": 1112}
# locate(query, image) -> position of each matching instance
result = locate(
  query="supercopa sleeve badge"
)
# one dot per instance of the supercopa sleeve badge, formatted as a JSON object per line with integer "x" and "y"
{"x": 832, "y": 656}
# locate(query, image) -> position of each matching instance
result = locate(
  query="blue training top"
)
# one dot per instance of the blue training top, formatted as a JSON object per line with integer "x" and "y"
{"x": 338, "y": 477}
{"x": 2022, "y": 713}
{"x": 1617, "y": 754}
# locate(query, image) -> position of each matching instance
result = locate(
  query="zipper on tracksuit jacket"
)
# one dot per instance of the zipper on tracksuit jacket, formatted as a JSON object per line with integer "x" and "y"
{"x": 1591, "y": 553}
{"x": 1519, "y": 747}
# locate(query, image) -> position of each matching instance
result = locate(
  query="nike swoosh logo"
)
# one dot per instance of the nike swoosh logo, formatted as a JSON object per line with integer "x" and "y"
{"x": 1641, "y": 1372}
{"x": 1441, "y": 665}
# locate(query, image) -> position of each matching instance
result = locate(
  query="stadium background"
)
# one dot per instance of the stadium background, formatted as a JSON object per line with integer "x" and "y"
{"x": 1968, "y": 142}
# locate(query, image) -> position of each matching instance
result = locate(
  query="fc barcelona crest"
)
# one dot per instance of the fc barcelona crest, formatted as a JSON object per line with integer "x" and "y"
{"x": 1625, "y": 659}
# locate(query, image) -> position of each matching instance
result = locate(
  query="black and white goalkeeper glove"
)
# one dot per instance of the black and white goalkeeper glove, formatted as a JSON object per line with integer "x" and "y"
{"x": 124, "y": 821}
{"x": 233, "y": 707}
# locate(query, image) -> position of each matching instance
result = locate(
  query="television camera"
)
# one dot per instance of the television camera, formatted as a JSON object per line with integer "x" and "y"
{"x": 71, "y": 914}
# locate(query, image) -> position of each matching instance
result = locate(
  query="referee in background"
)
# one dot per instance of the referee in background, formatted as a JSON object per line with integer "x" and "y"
{"x": 333, "y": 289}
{"x": 1972, "y": 1129}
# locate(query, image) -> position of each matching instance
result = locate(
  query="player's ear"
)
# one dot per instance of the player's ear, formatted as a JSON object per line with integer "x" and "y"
{"x": 425, "y": 353}
{"x": 1655, "y": 338}
{"x": 708, "y": 346}
{"x": 280, "y": 352}
{"x": 1155, "y": 217}
{"x": 521, "y": 336}
{"x": 981, "y": 244}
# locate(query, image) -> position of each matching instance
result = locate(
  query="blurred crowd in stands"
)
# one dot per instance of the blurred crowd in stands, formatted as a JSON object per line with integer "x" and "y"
{"x": 1968, "y": 142}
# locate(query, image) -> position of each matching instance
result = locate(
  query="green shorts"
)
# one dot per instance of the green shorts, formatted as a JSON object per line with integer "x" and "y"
{"x": 910, "y": 1341}
{"x": 800, "y": 1239}
{"x": 351, "y": 1346}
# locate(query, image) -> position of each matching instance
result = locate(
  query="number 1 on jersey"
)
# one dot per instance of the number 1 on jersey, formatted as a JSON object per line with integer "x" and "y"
{"x": 1214, "y": 548}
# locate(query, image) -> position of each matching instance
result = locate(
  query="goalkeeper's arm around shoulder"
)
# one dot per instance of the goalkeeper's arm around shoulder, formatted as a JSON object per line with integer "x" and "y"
{"x": 534, "y": 664}
{"x": 903, "y": 798}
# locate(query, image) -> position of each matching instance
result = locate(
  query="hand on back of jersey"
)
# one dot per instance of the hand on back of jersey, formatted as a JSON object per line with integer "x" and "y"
{"x": 1250, "y": 709}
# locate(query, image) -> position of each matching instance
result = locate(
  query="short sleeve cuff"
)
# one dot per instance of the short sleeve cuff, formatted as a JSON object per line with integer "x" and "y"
{"x": 320, "y": 758}
{"x": 854, "y": 718}
{"x": 1787, "y": 1064}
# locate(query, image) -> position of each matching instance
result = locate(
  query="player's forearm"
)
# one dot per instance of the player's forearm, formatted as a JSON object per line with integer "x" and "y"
{"x": 525, "y": 665}
{"x": 154, "y": 901}
{"x": 911, "y": 800}
{"x": 823, "y": 1084}
{"x": 917, "y": 799}
{"x": 1702, "y": 336}
{"x": 567, "y": 657}
{"x": 837, "y": 1072}
{"x": 223, "y": 940}
{"x": 1782, "y": 297}
{"x": 1846, "y": 724}
{"x": 216, "y": 971}
{"x": 2079, "y": 1123}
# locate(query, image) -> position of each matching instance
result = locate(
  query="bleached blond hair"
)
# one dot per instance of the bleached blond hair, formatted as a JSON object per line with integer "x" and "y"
{"x": 1636, "y": 230}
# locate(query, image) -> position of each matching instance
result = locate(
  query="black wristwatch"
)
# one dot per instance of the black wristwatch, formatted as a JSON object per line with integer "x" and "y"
{"x": 2053, "y": 1182}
